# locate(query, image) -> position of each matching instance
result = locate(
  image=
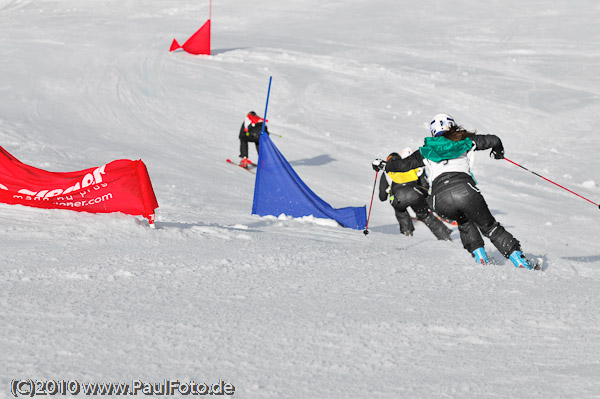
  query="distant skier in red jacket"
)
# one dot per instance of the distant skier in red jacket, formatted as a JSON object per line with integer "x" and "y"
{"x": 250, "y": 133}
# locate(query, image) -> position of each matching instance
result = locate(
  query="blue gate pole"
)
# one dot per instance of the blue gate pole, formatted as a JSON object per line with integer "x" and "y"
{"x": 261, "y": 143}
{"x": 266, "y": 106}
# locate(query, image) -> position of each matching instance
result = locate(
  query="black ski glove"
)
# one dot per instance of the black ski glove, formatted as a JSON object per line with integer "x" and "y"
{"x": 497, "y": 153}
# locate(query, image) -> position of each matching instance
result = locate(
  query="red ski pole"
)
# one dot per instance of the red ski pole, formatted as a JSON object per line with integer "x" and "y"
{"x": 370, "y": 206}
{"x": 548, "y": 180}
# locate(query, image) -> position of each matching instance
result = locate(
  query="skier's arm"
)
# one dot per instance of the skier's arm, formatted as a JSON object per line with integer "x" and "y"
{"x": 414, "y": 160}
{"x": 383, "y": 186}
{"x": 487, "y": 141}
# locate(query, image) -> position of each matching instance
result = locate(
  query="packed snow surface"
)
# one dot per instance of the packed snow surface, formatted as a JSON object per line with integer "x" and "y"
{"x": 302, "y": 308}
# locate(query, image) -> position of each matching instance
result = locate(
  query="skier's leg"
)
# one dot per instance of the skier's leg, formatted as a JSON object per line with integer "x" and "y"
{"x": 406, "y": 225}
{"x": 243, "y": 148}
{"x": 451, "y": 203}
{"x": 424, "y": 214}
{"x": 469, "y": 235}
{"x": 404, "y": 219}
{"x": 400, "y": 203}
{"x": 437, "y": 227}
{"x": 480, "y": 214}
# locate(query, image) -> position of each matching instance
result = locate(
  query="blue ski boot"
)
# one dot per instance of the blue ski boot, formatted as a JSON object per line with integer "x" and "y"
{"x": 480, "y": 256}
{"x": 520, "y": 261}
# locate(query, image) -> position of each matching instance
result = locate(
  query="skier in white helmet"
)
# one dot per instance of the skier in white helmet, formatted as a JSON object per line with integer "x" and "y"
{"x": 448, "y": 156}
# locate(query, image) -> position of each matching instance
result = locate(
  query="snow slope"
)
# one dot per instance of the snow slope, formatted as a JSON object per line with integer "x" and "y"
{"x": 300, "y": 308}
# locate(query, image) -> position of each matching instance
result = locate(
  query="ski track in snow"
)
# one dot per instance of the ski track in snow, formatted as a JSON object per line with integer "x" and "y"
{"x": 301, "y": 308}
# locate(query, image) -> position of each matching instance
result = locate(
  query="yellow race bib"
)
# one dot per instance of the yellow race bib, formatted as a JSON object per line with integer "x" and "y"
{"x": 404, "y": 177}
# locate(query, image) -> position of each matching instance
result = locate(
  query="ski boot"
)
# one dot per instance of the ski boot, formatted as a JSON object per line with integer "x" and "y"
{"x": 481, "y": 256}
{"x": 245, "y": 163}
{"x": 520, "y": 261}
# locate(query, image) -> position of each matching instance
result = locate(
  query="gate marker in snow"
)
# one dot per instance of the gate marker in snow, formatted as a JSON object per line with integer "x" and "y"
{"x": 278, "y": 190}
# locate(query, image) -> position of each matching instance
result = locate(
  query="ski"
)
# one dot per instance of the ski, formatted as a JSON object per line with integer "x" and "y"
{"x": 240, "y": 166}
{"x": 450, "y": 222}
{"x": 538, "y": 264}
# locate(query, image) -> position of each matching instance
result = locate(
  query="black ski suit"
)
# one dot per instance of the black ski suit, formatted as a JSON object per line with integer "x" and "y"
{"x": 412, "y": 194}
{"x": 252, "y": 135}
{"x": 455, "y": 196}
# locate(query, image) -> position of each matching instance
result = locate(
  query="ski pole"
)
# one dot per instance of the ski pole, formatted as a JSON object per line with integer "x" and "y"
{"x": 370, "y": 206}
{"x": 548, "y": 180}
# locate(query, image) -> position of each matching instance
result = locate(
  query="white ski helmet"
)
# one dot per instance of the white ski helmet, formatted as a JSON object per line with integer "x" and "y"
{"x": 405, "y": 152}
{"x": 440, "y": 124}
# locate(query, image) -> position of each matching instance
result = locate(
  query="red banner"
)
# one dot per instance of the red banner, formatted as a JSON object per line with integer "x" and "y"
{"x": 119, "y": 186}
